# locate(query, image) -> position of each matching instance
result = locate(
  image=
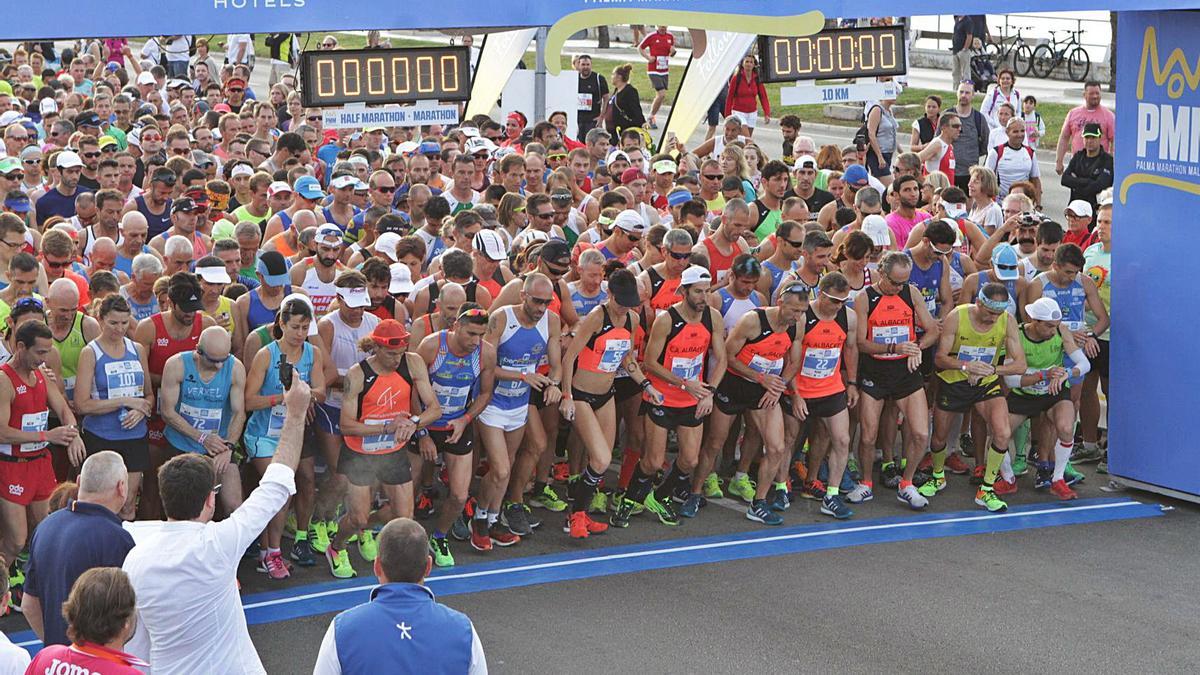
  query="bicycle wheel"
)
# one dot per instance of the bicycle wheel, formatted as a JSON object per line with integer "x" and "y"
{"x": 1023, "y": 60}
{"x": 1078, "y": 64}
{"x": 1043, "y": 61}
{"x": 992, "y": 51}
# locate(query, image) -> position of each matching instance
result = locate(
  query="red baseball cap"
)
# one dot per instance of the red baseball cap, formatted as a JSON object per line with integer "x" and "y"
{"x": 631, "y": 174}
{"x": 389, "y": 333}
{"x": 235, "y": 80}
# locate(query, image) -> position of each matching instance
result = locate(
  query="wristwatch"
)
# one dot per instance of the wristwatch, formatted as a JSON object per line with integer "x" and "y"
{"x": 415, "y": 419}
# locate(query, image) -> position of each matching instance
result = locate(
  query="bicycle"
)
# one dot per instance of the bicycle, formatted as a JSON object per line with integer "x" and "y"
{"x": 1014, "y": 46}
{"x": 1047, "y": 57}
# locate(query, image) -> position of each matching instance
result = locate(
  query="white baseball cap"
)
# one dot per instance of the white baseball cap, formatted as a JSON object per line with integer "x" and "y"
{"x": 329, "y": 234}
{"x": 67, "y": 159}
{"x": 805, "y": 162}
{"x": 1080, "y": 208}
{"x": 213, "y": 274}
{"x": 875, "y": 227}
{"x": 343, "y": 182}
{"x": 48, "y": 106}
{"x": 694, "y": 275}
{"x": 312, "y": 325}
{"x": 278, "y": 187}
{"x": 241, "y": 170}
{"x": 354, "y": 297}
{"x": 631, "y": 221}
{"x": 491, "y": 245}
{"x": 401, "y": 279}
{"x": 1044, "y": 309}
{"x": 146, "y": 77}
{"x": 386, "y": 244}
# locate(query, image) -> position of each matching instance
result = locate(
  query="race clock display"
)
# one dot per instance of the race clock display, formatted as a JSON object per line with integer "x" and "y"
{"x": 382, "y": 76}
{"x": 833, "y": 53}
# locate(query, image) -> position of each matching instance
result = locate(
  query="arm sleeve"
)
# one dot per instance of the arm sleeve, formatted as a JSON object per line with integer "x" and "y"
{"x": 327, "y": 658}
{"x": 247, "y": 522}
{"x": 1081, "y": 361}
{"x": 1013, "y": 381}
{"x": 478, "y": 660}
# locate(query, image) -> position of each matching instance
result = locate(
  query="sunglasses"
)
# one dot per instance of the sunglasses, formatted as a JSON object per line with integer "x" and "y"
{"x": 940, "y": 252}
{"x": 544, "y": 216}
{"x": 471, "y": 313}
{"x": 313, "y": 118}
{"x": 236, "y": 90}
{"x": 217, "y": 488}
{"x": 556, "y": 156}
{"x": 834, "y": 299}
{"x": 394, "y": 341}
{"x": 1005, "y": 267}
{"x": 31, "y": 162}
{"x": 91, "y": 155}
{"x": 17, "y": 175}
{"x": 794, "y": 244}
{"x": 712, "y": 176}
{"x": 386, "y": 189}
{"x": 680, "y": 256}
{"x": 109, "y": 149}
{"x": 210, "y": 359}
{"x": 556, "y": 270}
{"x": 632, "y": 238}
{"x": 541, "y": 302}
{"x": 57, "y": 265}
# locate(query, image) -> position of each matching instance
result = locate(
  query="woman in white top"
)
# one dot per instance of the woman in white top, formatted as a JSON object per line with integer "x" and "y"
{"x": 1003, "y": 91}
{"x": 981, "y": 199}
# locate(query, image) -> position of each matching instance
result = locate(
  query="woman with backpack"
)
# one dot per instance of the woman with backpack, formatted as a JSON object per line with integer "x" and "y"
{"x": 746, "y": 91}
{"x": 1004, "y": 90}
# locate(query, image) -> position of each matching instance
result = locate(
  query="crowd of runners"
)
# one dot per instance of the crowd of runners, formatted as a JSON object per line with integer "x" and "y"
{"x": 508, "y": 330}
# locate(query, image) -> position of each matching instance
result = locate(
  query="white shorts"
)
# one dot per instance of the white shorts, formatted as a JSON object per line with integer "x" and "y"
{"x": 748, "y": 119}
{"x": 505, "y": 420}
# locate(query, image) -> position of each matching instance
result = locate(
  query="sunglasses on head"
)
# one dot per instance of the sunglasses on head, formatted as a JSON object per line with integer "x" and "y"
{"x": 29, "y": 302}
{"x": 474, "y": 312}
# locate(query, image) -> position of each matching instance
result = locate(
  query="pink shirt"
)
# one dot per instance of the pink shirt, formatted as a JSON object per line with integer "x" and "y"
{"x": 87, "y": 658}
{"x": 1079, "y": 116}
{"x": 902, "y": 227}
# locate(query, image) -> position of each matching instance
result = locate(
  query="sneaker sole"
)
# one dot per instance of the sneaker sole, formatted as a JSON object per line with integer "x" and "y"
{"x": 864, "y": 500}
{"x": 831, "y": 513}
{"x": 1002, "y": 509}
{"x": 760, "y": 519}
{"x": 479, "y": 548}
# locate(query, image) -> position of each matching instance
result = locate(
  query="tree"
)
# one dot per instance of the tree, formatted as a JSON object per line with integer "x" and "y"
{"x": 602, "y": 39}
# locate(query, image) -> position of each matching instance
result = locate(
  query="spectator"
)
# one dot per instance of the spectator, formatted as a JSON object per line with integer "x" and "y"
{"x": 431, "y": 637}
{"x": 625, "y": 103}
{"x": 13, "y": 659}
{"x": 1091, "y": 171}
{"x": 1003, "y": 90}
{"x": 101, "y": 613}
{"x": 962, "y": 45}
{"x": 73, "y": 540}
{"x": 1091, "y": 112}
{"x": 745, "y": 93}
{"x": 593, "y": 96}
{"x": 971, "y": 143}
{"x": 657, "y": 49}
{"x": 882, "y": 134}
{"x": 1015, "y": 161}
{"x": 189, "y": 611}
{"x": 925, "y": 127}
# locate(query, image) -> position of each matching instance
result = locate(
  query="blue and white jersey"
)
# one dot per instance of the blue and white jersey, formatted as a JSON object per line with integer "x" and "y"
{"x": 455, "y": 380}
{"x": 520, "y": 349}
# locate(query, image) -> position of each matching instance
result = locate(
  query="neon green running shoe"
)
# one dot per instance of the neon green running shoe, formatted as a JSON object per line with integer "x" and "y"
{"x": 989, "y": 500}
{"x": 712, "y": 487}
{"x": 318, "y": 536}
{"x": 1020, "y": 465}
{"x": 440, "y": 550}
{"x": 339, "y": 563}
{"x": 332, "y": 526}
{"x": 368, "y": 548}
{"x": 1072, "y": 476}
{"x": 547, "y": 499}
{"x": 742, "y": 488}
{"x": 599, "y": 503}
{"x": 934, "y": 485}
{"x": 665, "y": 510}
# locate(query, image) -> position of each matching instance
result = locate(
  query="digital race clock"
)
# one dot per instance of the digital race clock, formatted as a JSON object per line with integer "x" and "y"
{"x": 833, "y": 53}
{"x": 403, "y": 75}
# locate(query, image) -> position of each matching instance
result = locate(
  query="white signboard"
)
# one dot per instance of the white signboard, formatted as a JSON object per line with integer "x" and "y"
{"x": 809, "y": 93}
{"x": 562, "y": 93}
{"x": 356, "y": 117}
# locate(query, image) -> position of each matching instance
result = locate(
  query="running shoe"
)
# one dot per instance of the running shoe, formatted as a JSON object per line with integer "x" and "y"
{"x": 977, "y": 475}
{"x": 460, "y": 529}
{"x": 989, "y": 500}
{"x": 439, "y": 548}
{"x": 576, "y": 525}
{"x": 560, "y": 472}
{"x": 1005, "y": 487}
{"x": 926, "y": 463}
{"x": 759, "y": 512}
{"x": 622, "y": 512}
{"x": 534, "y": 521}
{"x": 1113, "y": 486}
{"x": 934, "y": 485}
{"x": 712, "y": 487}
{"x": 833, "y": 505}
{"x": 1045, "y": 476}
{"x": 547, "y": 499}
{"x": 339, "y": 563}
{"x": 424, "y": 509}
{"x": 798, "y": 472}
{"x": 890, "y": 475}
{"x": 860, "y": 494}
{"x": 599, "y": 503}
{"x": 1072, "y": 476}
{"x": 813, "y": 490}
{"x": 955, "y": 464}
{"x": 742, "y": 488}
{"x": 780, "y": 501}
{"x": 664, "y": 509}
{"x": 965, "y": 441}
{"x": 1102, "y": 467}
{"x": 368, "y": 548}
{"x": 302, "y": 554}
{"x": 1020, "y": 465}
{"x": 690, "y": 507}
{"x": 1063, "y": 491}
{"x": 480, "y": 540}
{"x": 915, "y": 500}
{"x": 513, "y": 517}
{"x": 595, "y": 526}
{"x": 274, "y": 566}
{"x": 501, "y": 536}
{"x": 1084, "y": 454}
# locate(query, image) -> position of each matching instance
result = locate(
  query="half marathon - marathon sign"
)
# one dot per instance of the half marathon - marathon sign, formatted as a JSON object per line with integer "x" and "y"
{"x": 388, "y": 116}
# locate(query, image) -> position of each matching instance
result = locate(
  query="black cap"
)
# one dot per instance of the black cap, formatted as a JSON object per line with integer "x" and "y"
{"x": 88, "y": 118}
{"x": 1092, "y": 129}
{"x": 624, "y": 290}
{"x": 184, "y": 292}
{"x": 555, "y": 251}
{"x": 273, "y": 262}
{"x": 183, "y": 204}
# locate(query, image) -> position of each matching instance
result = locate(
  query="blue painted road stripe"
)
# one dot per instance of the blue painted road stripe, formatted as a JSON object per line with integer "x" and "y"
{"x": 314, "y": 599}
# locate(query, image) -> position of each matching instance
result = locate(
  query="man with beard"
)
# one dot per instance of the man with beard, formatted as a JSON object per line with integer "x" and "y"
{"x": 59, "y": 200}
{"x": 316, "y": 275}
{"x": 185, "y": 213}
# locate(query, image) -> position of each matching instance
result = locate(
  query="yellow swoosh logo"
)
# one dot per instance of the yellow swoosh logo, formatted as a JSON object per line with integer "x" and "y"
{"x": 1161, "y": 181}
{"x": 797, "y": 25}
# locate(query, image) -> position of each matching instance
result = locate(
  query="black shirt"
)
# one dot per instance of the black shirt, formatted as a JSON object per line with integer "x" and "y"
{"x": 627, "y": 109}
{"x": 91, "y": 184}
{"x": 964, "y": 25}
{"x": 597, "y": 87}
{"x": 816, "y": 202}
{"x": 1087, "y": 176}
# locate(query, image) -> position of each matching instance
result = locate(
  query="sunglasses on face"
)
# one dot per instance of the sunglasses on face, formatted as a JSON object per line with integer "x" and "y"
{"x": 386, "y": 189}
{"x": 31, "y": 162}
{"x": 834, "y": 299}
{"x": 544, "y": 216}
{"x": 1005, "y": 267}
{"x": 314, "y": 118}
{"x": 57, "y": 265}
{"x": 109, "y": 149}
{"x": 794, "y": 244}
{"x": 235, "y": 90}
{"x": 91, "y": 155}
{"x": 680, "y": 256}
{"x": 541, "y": 302}
{"x": 15, "y": 176}
{"x": 556, "y": 270}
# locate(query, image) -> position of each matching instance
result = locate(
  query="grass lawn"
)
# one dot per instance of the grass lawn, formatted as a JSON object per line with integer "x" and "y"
{"x": 1052, "y": 113}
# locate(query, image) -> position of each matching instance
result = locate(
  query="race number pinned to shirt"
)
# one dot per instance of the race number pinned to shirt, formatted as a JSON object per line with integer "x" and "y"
{"x": 451, "y": 399}
{"x": 761, "y": 364}
{"x": 614, "y": 355}
{"x": 687, "y": 369}
{"x": 379, "y": 442}
{"x": 585, "y": 102}
{"x": 662, "y": 63}
{"x": 968, "y": 353}
{"x": 125, "y": 379}
{"x": 34, "y": 423}
{"x": 275, "y": 423}
{"x": 820, "y": 363}
{"x": 207, "y": 420}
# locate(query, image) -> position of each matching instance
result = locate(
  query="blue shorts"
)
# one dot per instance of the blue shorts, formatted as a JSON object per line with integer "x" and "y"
{"x": 260, "y": 447}
{"x": 328, "y": 419}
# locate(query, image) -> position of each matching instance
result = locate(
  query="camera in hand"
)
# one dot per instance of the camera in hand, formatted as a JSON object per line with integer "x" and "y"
{"x": 1032, "y": 218}
{"x": 285, "y": 372}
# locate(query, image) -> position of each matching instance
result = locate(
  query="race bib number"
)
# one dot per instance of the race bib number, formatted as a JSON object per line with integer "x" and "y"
{"x": 1040, "y": 388}
{"x": 452, "y": 400}
{"x": 125, "y": 379}
{"x": 967, "y": 353}
{"x": 334, "y": 399}
{"x": 687, "y": 369}
{"x": 69, "y": 384}
{"x": 512, "y": 388}
{"x": 585, "y": 102}
{"x": 1074, "y": 326}
{"x": 207, "y": 420}
{"x": 820, "y": 363}
{"x": 721, "y": 274}
{"x": 380, "y": 442}
{"x": 761, "y": 364}
{"x": 931, "y": 303}
{"x": 662, "y": 63}
{"x": 34, "y": 422}
{"x": 275, "y": 423}
{"x": 614, "y": 355}
{"x": 889, "y": 335}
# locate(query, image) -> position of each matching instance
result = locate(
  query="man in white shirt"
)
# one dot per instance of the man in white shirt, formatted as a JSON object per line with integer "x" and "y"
{"x": 1014, "y": 161}
{"x": 190, "y": 616}
{"x": 15, "y": 660}
{"x": 239, "y": 48}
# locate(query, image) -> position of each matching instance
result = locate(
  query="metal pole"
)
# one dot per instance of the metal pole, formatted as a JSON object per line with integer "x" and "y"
{"x": 539, "y": 77}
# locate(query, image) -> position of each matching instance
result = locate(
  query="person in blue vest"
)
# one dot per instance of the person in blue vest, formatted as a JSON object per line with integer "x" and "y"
{"x": 403, "y": 629}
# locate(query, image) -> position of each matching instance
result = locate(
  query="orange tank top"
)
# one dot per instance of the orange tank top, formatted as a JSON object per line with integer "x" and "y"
{"x": 383, "y": 396}
{"x": 684, "y": 355}
{"x": 820, "y": 372}
{"x": 890, "y": 320}
{"x": 606, "y": 349}
{"x": 765, "y": 353}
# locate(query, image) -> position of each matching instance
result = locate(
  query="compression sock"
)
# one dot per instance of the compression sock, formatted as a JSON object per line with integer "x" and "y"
{"x": 674, "y": 477}
{"x": 939, "y": 461}
{"x": 629, "y": 459}
{"x": 1062, "y": 454}
{"x": 995, "y": 457}
{"x": 585, "y": 489}
{"x": 1021, "y": 439}
{"x": 639, "y": 485}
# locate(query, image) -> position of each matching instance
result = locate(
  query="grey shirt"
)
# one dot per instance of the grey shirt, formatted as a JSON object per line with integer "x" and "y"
{"x": 966, "y": 147}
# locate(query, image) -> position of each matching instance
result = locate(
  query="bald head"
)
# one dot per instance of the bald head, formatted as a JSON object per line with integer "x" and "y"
{"x": 214, "y": 342}
{"x": 537, "y": 282}
{"x": 104, "y": 247}
{"x": 304, "y": 219}
{"x": 64, "y": 291}
{"x": 133, "y": 219}
{"x": 453, "y": 294}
